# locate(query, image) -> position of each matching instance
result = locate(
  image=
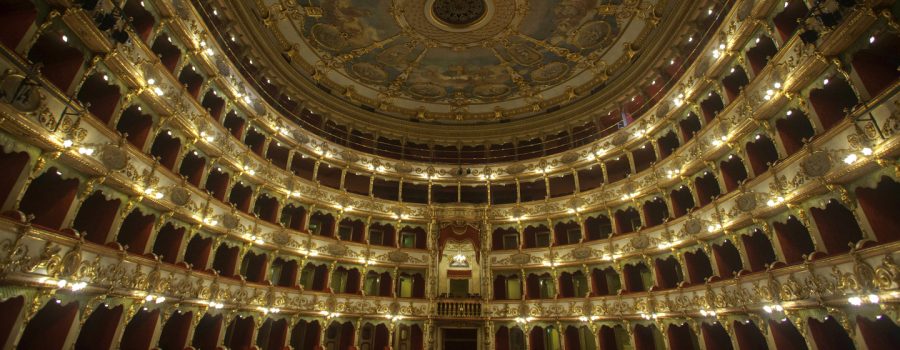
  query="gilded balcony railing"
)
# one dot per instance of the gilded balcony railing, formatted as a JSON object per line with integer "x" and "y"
{"x": 459, "y": 308}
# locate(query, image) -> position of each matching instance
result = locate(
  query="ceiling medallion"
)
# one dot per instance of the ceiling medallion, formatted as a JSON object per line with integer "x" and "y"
{"x": 459, "y": 13}
{"x": 459, "y": 23}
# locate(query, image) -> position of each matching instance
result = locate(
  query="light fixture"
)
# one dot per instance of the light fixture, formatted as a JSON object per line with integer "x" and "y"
{"x": 773, "y": 308}
{"x": 775, "y": 201}
{"x": 268, "y": 310}
{"x": 152, "y": 192}
{"x": 588, "y": 318}
{"x": 329, "y": 315}
{"x": 873, "y": 298}
{"x": 524, "y": 320}
{"x": 459, "y": 258}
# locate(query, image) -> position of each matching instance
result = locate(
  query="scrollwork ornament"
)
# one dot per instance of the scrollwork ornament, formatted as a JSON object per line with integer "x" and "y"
{"x": 886, "y": 274}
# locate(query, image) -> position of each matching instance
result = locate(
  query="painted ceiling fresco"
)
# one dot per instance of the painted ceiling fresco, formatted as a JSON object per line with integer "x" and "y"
{"x": 497, "y": 58}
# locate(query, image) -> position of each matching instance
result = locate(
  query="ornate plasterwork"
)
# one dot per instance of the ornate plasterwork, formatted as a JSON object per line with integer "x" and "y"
{"x": 514, "y": 58}
{"x": 29, "y": 254}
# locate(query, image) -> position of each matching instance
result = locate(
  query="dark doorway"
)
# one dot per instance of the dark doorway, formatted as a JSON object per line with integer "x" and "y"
{"x": 460, "y": 338}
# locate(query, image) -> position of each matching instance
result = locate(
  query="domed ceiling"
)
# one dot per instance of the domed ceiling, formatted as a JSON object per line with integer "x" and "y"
{"x": 458, "y": 60}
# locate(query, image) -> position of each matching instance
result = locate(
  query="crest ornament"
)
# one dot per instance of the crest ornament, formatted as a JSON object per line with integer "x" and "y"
{"x": 403, "y": 168}
{"x": 114, "y": 158}
{"x": 300, "y": 137}
{"x": 349, "y": 157}
{"x": 816, "y": 164}
{"x": 519, "y": 258}
{"x": 575, "y": 203}
{"x": 398, "y": 257}
{"x": 394, "y": 308}
{"x": 639, "y": 242}
{"x": 620, "y": 138}
{"x": 258, "y": 107}
{"x": 693, "y": 226}
{"x": 281, "y": 237}
{"x": 517, "y": 212}
{"x": 515, "y": 169}
{"x": 582, "y": 252}
{"x": 230, "y": 221}
{"x": 336, "y": 249}
{"x": 180, "y": 196}
{"x": 746, "y": 202}
{"x": 224, "y": 69}
{"x": 569, "y": 158}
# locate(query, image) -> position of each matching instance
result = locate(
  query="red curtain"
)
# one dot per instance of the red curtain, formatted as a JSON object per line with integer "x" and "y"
{"x": 139, "y": 332}
{"x": 346, "y": 340}
{"x": 500, "y": 287}
{"x": 12, "y": 307}
{"x": 175, "y": 330}
{"x": 572, "y": 338}
{"x": 501, "y": 339}
{"x": 536, "y": 337}
{"x": 418, "y": 286}
{"x": 48, "y": 329}
{"x": 381, "y": 337}
{"x": 417, "y": 339}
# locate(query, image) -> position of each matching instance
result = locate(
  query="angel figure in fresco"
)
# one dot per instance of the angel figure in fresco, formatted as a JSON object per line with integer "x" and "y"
{"x": 569, "y": 14}
{"x": 349, "y": 20}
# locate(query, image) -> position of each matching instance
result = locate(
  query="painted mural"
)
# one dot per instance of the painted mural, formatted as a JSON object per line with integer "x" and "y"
{"x": 516, "y": 50}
